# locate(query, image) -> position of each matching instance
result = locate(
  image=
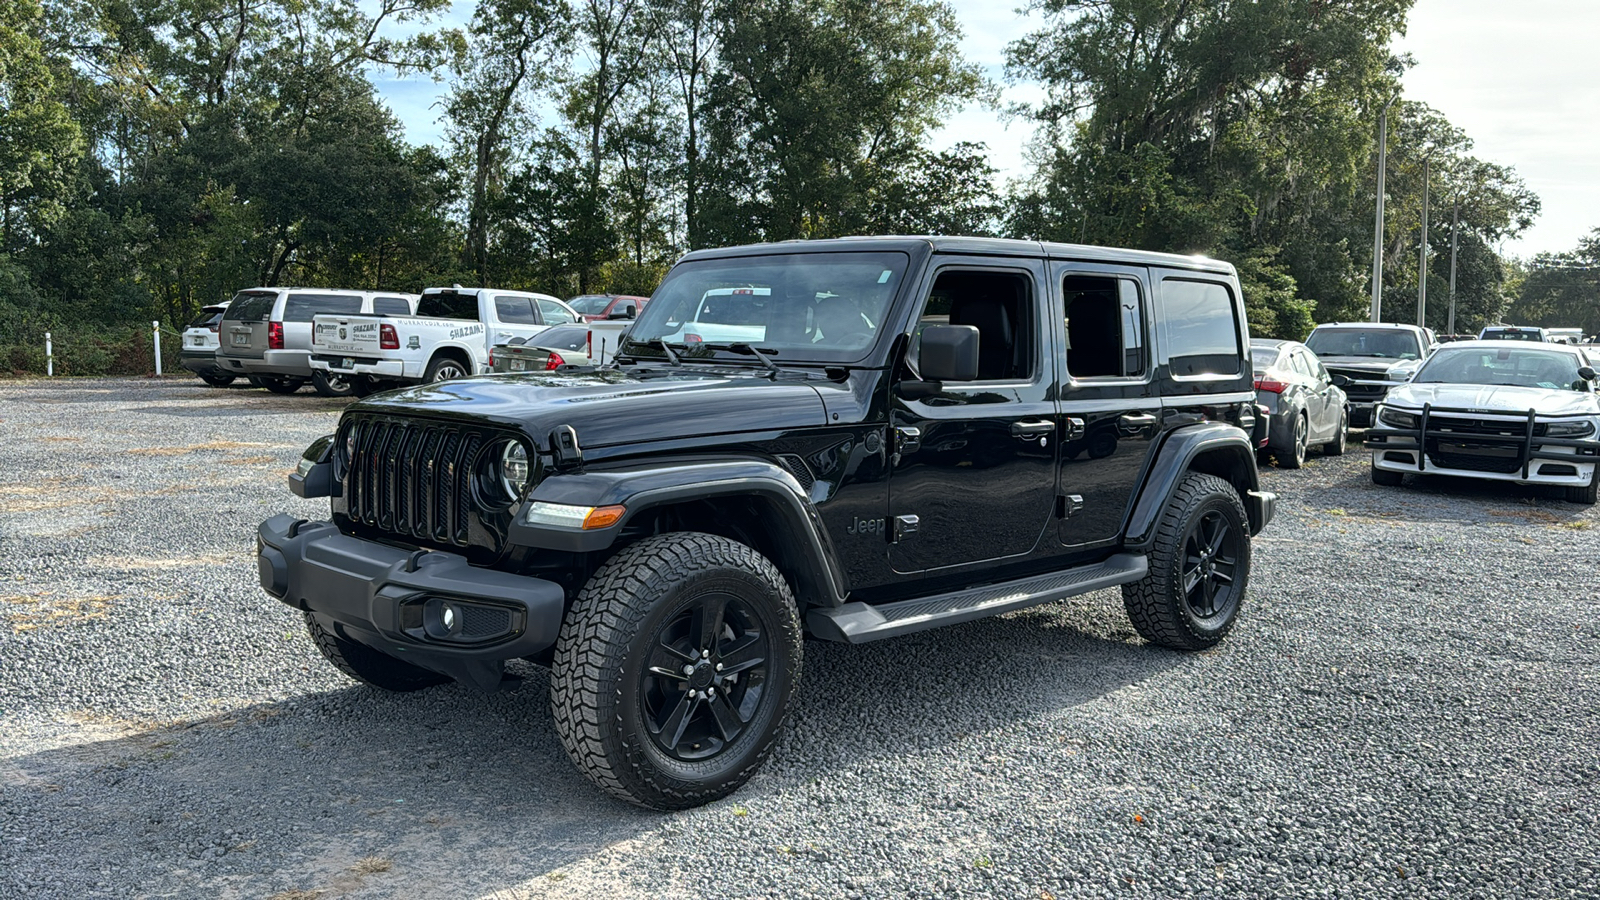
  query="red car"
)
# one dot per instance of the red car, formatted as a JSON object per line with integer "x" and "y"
{"x": 599, "y": 307}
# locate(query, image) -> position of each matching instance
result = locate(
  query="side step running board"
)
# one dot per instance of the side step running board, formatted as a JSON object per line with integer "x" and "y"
{"x": 857, "y": 623}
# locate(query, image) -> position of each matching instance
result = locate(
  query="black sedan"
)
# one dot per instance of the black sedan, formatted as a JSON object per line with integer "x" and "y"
{"x": 1305, "y": 405}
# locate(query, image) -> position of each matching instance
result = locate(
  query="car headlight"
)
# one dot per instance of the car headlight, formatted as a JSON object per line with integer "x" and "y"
{"x": 1394, "y": 418}
{"x": 514, "y": 470}
{"x": 1569, "y": 429}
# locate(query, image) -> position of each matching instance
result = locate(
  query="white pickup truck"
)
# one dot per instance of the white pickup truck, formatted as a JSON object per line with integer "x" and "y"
{"x": 449, "y": 337}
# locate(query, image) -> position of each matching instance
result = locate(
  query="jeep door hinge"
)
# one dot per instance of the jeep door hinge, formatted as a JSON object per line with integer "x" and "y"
{"x": 1068, "y": 504}
{"x": 904, "y": 526}
{"x": 907, "y": 439}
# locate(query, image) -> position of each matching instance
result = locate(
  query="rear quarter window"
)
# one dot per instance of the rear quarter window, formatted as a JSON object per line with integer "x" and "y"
{"x": 301, "y": 307}
{"x": 1200, "y": 326}
{"x": 391, "y": 306}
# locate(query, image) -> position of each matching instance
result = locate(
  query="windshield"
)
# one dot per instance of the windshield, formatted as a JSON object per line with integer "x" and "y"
{"x": 1514, "y": 367}
{"x": 592, "y": 305}
{"x": 800, "y": 306}
{"x": 1381, "y": 343}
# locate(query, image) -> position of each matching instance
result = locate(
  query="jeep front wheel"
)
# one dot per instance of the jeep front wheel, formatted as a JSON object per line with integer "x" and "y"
{"x": 1199, "y": 568}
{"x": 674, "y": 670}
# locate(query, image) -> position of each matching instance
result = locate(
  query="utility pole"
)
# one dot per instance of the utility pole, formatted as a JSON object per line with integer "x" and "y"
{"x": 1455, "y": 232}
{"x": 1377, "y": 234}
{"x": 1422, "y": 265}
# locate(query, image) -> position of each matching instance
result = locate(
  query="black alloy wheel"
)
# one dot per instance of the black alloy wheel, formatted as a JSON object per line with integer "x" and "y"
{"x": 1210, "y": 560}
{"x": 675, "y": 668}
{"x": 1199, "y": 567}
{"x": 706, "y": 677}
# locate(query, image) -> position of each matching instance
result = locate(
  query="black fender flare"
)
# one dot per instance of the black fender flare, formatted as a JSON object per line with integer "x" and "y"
{"x": 1223, "y": 450}
{"x": 639, "y": 489}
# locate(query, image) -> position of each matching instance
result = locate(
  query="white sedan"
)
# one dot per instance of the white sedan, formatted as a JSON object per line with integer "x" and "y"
{"x": 1500, "y": 410}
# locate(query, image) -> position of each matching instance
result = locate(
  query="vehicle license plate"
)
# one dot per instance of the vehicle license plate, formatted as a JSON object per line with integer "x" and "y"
{"x": 1477, "y": 450}
{"x": 518, "y": 365}
{"x": 241, "y": 340}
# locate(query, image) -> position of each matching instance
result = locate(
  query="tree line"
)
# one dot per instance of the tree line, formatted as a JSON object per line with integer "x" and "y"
{"x": 156, "y": 155}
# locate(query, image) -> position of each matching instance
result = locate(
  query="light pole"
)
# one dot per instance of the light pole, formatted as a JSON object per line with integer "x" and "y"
{"x": 1377, "y": 235}
{"x": 1455, "y": 231}
{"x": 1422, "y": 264}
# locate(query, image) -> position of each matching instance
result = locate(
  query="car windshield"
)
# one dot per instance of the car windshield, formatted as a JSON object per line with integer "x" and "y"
{"x": 1382, "y": 343}
{"x": 592, "y": 305}
{"x": 800, "y": 306}
{"x": 1515, "y": 367}
{"x": 1263, "y": 357}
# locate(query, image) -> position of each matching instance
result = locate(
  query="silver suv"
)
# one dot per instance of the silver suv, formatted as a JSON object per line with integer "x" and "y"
{"x": 266, "y": 333}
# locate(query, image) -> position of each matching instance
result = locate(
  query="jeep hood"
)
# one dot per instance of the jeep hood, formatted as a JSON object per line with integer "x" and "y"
{"x": 1501, "y": 399}
{"x": 613, "y": 407}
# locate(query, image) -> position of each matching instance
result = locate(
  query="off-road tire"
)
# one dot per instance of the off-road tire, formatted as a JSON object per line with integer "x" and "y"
{"x": 1295, "y": 456}
{"x": 327, "y": 385}
{"x": 216, "y": 379}
{"x": 1336, "y": 446}
{"x": 1588, "y": 493}
{"x": 1386, "y": 478}
{"x": 368, "y": 665}
{"x": 1158, "y": 604}
{"x": 280, "y": 385}
{"x": 596, "y": 692}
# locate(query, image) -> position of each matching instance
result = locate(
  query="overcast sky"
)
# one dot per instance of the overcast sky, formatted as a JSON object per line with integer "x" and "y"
{"x": 1521, "y": 77}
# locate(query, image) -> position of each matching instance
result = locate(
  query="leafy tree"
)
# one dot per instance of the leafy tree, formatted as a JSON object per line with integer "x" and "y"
{"x": 1562, "y": 290}
{"x": 40, "y": 144}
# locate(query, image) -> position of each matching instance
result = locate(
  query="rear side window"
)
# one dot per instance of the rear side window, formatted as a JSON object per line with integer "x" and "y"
{"x": 448, "y": 305}
{"x": 555, "y": 314}
{"x": 563, "y": 337}
{"x": 1264, "y": 357}
{"x": 391, "y": 306}
{"x": 515, "y": 310}
{"x": 1105, "y": 326}
{"x": 1201, "y": 327}
{"x": 251, "y": 306}
{"x": 301, "y": 307}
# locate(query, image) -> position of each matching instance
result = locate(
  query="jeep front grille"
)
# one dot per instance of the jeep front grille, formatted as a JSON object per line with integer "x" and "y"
{"x": 411, "y": 478}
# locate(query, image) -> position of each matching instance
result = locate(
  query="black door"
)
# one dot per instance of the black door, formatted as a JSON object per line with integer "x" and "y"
{"x": 1110, "y": 412}
{"x": 974, "y": 466}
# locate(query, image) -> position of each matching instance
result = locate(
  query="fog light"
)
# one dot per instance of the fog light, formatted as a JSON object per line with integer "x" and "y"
{"x": 443, "y": 618}
{"x": 447, "y": 616}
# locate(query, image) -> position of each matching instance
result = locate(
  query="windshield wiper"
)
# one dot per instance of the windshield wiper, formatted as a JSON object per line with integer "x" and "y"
{"x": 665, "y": 348}
{"x": 755, "y": 351}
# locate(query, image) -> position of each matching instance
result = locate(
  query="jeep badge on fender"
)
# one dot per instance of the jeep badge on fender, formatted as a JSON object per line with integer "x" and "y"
{"x": 732, "y": 453}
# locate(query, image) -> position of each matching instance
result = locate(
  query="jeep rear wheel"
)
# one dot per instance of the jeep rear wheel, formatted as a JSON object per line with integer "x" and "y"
{"x": 1199, "y": 568}
{"x": 674, "y": 670}
{"x": 363, "y": 663}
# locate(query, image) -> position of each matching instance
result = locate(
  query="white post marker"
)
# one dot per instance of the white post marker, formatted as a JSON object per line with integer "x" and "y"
{"x": 155, "y": 329}
{"x": 49, "y": 357}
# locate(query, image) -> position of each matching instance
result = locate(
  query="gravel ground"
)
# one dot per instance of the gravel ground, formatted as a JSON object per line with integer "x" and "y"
{"x": 1410, "y": 707}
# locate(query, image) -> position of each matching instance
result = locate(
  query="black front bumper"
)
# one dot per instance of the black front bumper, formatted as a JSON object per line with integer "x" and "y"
{"x": 386, "y": 597}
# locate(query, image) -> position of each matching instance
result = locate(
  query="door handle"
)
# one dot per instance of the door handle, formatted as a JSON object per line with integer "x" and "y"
{"x": 1134, "y": 423}
{"x": 1032, "y": 429}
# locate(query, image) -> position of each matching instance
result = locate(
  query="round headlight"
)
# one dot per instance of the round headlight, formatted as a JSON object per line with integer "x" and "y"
{"x": 514, "y": 468}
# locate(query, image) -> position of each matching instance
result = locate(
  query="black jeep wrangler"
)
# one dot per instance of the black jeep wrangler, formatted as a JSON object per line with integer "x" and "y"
{"x": 857, "y": 438}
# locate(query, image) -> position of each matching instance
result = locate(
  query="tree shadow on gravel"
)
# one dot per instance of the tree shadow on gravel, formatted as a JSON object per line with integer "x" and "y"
{"x": 452, "y": 793}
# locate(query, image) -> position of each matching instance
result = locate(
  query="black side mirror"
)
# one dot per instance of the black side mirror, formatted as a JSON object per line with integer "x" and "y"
{"x": 1340, "y": 380}
{"x": 949, "y": 353}
{"x": 1586, "y": 373}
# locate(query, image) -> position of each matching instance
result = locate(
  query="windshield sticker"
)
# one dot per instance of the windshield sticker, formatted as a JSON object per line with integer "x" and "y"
{"x": 887, "y": 274}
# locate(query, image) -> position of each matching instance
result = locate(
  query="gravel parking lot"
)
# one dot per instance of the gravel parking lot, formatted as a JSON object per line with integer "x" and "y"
{"x": 1409, "y": 707}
